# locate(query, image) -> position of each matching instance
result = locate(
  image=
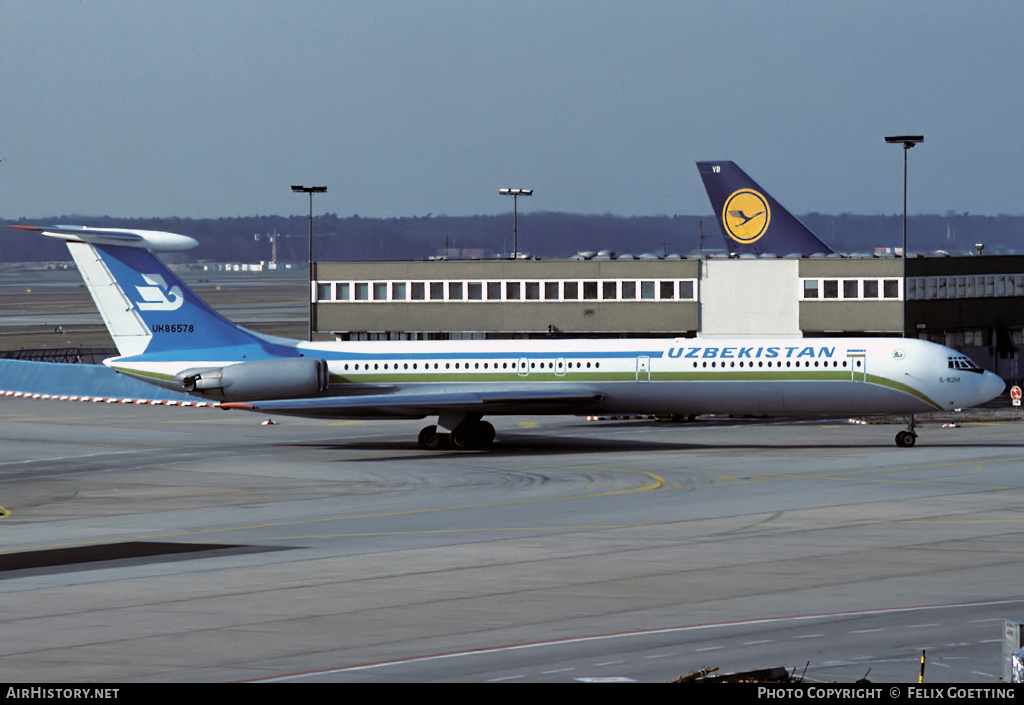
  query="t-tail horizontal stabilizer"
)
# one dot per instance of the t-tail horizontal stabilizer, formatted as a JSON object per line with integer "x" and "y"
{"x": 751, "y": 220}
{"x": 147, "y": 239}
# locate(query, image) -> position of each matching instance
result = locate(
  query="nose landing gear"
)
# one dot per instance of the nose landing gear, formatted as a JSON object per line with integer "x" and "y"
{"x": 907, "y": 439}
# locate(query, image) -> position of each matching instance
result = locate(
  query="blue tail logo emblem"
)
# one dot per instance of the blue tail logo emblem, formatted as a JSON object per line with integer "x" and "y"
{"x": 157, "y": 296}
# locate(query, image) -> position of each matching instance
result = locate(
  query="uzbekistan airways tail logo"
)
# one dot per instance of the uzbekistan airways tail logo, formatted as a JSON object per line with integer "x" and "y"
{"x": 746, "y": 216}
{"x": 157, "y": 297}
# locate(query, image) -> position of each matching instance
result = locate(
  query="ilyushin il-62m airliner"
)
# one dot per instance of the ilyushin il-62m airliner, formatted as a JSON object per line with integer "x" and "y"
{"x": 168, "y": 336}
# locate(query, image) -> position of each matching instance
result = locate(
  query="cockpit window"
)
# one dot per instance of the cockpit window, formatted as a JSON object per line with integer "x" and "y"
{"x": 962, "y": 362}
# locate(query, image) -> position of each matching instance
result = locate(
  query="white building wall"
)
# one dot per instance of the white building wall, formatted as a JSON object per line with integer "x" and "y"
{"x": 750, "y": 297}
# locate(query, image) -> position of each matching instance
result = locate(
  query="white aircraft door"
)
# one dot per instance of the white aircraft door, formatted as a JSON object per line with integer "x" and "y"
{"x": 858, "y": 360}
{"x": 560, "y": 367}
{"x": 523, "y": 367}
{"x": 643, "y": 369}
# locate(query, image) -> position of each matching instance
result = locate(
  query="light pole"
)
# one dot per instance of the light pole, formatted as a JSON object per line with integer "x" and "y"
{"x": 515, "y": 193}
{"x": 907, "y": 141}
{"x": 312, "y": 295}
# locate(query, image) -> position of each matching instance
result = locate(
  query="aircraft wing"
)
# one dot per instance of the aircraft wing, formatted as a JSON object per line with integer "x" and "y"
{"x": 416, "y": 404}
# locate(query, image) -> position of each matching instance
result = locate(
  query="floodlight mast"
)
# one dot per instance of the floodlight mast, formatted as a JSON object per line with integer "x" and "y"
{"x": 908, "y": 141}
{"x": 515, "y": 193}
{"x": 312, "y": 294}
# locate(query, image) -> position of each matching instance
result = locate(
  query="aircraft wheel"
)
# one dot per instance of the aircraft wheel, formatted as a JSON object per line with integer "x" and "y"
{"x": 484, "y": 435}
{"x": 906, "y": 439}
{"x": 430, "y": 439}
{"x": 460, "y": 437}
{"x": 476, "y": 435}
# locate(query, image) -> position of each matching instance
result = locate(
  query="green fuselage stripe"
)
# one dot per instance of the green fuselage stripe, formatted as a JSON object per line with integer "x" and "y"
{"x": 144, "y": 374}
{"x": 538, "y": 377}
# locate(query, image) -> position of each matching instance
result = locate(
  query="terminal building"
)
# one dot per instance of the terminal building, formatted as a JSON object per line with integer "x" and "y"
{"x": 974, "y": 304}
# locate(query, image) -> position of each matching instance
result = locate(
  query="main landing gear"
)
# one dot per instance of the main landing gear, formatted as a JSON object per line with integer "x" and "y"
{"x": 468, "y": 435}
{"x": 907, "y": 439}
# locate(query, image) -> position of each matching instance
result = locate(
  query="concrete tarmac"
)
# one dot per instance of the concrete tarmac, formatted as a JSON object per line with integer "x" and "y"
{"x": 184, "y": 544}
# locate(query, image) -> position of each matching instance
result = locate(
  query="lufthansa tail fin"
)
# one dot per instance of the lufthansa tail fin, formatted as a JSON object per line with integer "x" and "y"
{"x": 751, "y": 220}
{"x": 145, "y": 306}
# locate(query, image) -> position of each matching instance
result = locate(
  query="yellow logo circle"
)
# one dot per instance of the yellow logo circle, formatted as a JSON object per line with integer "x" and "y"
{"x": 746, "y": 216}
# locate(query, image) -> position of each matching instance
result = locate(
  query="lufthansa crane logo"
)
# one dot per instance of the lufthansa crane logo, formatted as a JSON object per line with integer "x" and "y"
{"x": 746, "y": 216}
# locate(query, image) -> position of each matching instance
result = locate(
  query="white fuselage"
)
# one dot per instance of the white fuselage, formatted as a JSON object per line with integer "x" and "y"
{"x": 656, "y": 376}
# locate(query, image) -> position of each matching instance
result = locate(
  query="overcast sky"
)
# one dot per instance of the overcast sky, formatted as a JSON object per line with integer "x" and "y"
{"x": 213, "y": 108}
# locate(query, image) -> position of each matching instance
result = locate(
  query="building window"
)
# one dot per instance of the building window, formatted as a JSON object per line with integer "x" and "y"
{"x": 608, "y": 290}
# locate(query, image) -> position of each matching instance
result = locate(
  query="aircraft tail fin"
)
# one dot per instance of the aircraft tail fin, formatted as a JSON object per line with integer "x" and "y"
{"x": 146, "y": 307}
{"x": 751, "y": 220}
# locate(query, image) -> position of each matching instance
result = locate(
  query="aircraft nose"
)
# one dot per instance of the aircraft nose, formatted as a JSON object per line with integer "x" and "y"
{"x": 992, "y": 385}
